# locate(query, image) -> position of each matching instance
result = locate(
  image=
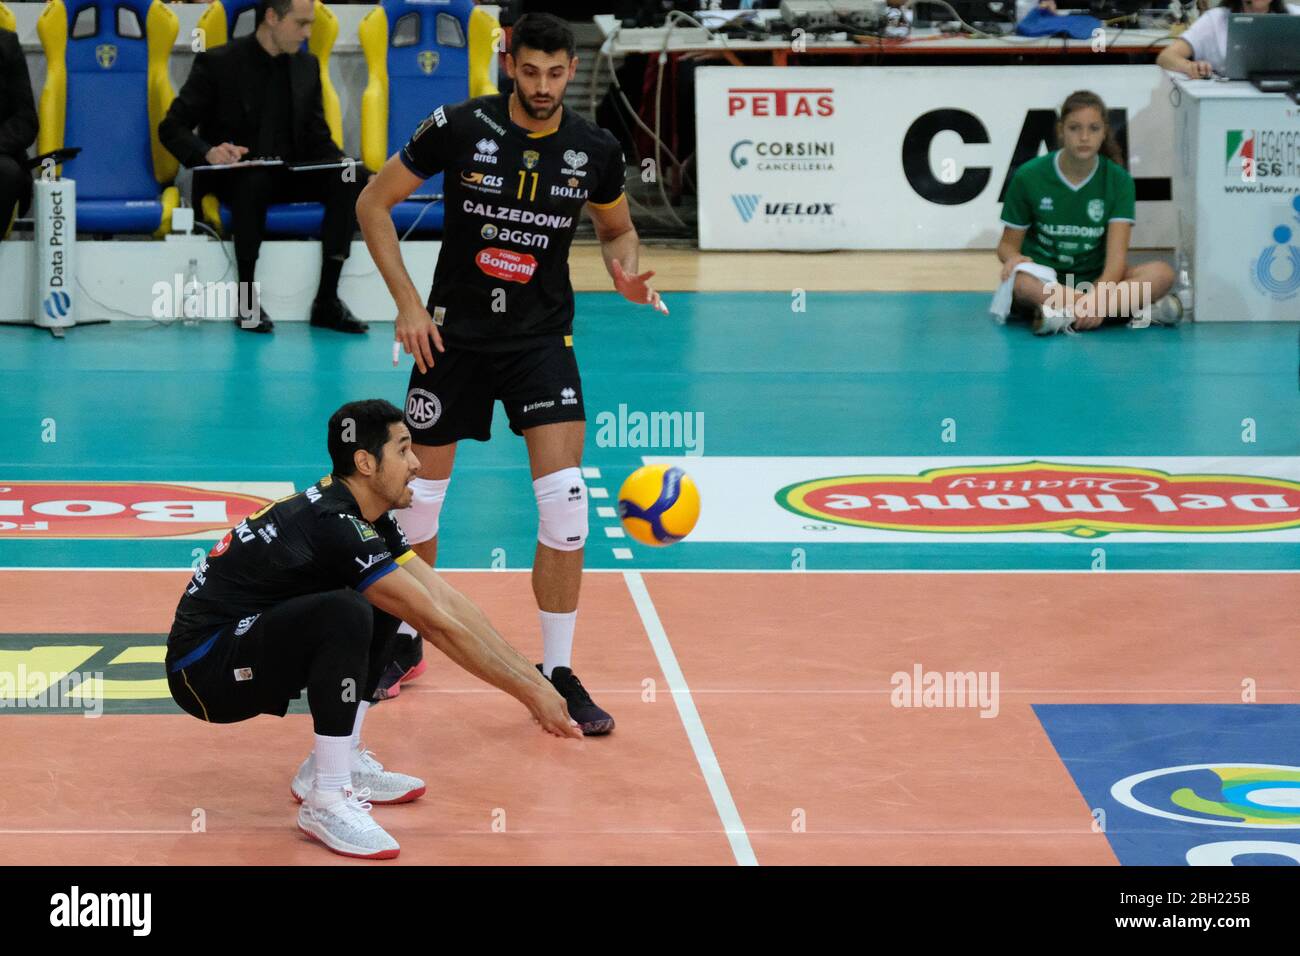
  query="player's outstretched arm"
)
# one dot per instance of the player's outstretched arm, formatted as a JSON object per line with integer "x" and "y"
{"x": 620, "y": 247}
{"x": 454, "y": 625}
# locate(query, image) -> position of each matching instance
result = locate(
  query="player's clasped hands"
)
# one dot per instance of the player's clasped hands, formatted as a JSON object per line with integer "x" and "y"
{"x": 637, "y": 288}
{"x": 1086, "y": 312}
{"x": 417, "y": 335}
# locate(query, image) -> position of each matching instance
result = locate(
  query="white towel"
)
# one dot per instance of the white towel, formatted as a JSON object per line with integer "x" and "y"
{"x": 1000, "y": 307}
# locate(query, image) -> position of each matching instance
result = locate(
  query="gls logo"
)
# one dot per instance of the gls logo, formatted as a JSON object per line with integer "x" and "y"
{"x": 772, "y": 101}
{"x": 482, "y": 182}
{"x": 1037, "y": 132}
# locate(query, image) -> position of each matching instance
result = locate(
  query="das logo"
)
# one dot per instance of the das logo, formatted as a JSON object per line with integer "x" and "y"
{"x": 771, "y": 101}
{"x": 1085, "y": 501}
{"x": 112, "y": 509}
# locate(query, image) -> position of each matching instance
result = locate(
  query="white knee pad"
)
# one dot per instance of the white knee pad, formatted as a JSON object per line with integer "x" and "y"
{"x": 419, "y": 522}
{"x": 562, "y": 509}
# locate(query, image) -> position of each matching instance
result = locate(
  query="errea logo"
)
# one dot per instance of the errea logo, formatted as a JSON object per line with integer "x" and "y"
{"x": 1045, "y": 204}
{"x": 568, "y": 396}
{"x": 487, "y": 150}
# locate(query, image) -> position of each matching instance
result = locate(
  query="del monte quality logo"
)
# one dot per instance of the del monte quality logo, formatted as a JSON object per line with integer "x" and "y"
{"x": 1085, "y": 501}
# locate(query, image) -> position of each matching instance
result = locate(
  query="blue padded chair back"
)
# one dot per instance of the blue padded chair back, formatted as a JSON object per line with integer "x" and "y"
{"x": 241, "y": 17}
{"x": 108, "y": 104}
{"x": 428, "y": 65}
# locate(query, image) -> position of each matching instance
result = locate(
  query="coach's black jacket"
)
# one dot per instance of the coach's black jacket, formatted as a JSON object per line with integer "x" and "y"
{"x": 17, "y": 108}
{"x": 221, "y": 99}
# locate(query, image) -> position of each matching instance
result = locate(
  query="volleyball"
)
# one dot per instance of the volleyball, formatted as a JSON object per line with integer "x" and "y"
{"x": 658, "y": 505}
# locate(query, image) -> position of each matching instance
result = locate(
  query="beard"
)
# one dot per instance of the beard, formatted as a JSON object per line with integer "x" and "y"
{"x": 543, "y": 113}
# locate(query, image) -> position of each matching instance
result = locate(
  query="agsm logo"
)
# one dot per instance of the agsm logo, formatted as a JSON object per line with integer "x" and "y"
{"x": 1248, "y": 795}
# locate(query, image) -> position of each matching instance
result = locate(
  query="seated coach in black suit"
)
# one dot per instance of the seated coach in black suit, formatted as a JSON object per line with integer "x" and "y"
{"x": 17, "y": 127}
{"x": 259, "y": 96}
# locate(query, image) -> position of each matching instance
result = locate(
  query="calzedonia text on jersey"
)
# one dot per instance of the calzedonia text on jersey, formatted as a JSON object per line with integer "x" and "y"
{"x": 512, "y": 204}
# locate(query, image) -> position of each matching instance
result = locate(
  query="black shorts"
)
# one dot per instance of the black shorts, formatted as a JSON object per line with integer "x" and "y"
{"x": 259, "y": 665}
{"x": 454, "y": 399}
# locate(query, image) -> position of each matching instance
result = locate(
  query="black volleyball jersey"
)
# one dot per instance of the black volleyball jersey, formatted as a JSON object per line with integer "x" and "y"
{"x": 307, "y": 543}
{"x": 512, "y": 204}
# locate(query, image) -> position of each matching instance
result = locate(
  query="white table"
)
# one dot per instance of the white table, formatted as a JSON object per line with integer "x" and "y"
{"x": 1239, "y": 238}
{"x": 683, "y": 38}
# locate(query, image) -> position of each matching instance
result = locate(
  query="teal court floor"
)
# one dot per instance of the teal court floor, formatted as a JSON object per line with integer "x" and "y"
{"x": 1105, "y": 528}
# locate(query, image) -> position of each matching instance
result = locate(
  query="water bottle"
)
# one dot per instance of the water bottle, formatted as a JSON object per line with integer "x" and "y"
{"x": 192, "y": 303}
{"x": 1183, "y": 282}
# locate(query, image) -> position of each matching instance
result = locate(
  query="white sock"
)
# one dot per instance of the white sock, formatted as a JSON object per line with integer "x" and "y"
{"x": 356, "y": 724}
{"x": 333, "y": 766}
{"x": 557, "y": 640}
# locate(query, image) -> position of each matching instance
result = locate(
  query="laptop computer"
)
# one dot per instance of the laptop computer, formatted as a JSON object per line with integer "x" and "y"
{"x": 1265, "y": 50}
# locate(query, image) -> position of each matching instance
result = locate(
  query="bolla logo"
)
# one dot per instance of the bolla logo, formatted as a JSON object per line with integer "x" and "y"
{"x": 774, "y": 102}
{"x": 126, "y": 509}
{"x": 1084, "y": 501}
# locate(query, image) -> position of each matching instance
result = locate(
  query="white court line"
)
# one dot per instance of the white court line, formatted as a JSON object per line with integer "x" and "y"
{"x": 704, "y": 755}
{"x": 617, "y": 831}
{"x": 1115, "y": 571}
{"x": 883, "y": 691}
{"x": 94, "y": 832}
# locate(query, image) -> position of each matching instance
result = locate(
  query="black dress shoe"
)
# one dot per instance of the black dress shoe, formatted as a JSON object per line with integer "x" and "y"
{"x": 264, "y": 323}
{"x": 337, "y": 316}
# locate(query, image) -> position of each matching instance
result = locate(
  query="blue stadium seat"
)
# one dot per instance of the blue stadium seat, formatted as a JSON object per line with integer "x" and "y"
{"x": 106, "y": 89}
{"x": 223, "y": 21}
{"x": 420, "y": 56}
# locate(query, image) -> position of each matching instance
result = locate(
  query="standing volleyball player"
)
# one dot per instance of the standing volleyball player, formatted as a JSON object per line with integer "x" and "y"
{"x": 1067, "y": 218}
{"x": 498, "y": 324}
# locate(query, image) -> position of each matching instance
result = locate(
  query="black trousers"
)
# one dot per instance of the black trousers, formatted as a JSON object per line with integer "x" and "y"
{"x": 248, "y": 193}
{"x": 334, "y": 643}
{"x": 15, "y": 188}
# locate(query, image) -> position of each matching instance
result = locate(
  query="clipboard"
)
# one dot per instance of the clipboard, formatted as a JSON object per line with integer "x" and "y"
{"x": 242, "y": 164}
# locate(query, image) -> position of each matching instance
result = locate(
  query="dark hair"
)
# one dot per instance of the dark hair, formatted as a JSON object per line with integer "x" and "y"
{"x": 366, "y": 426}
{"x": 1082, "y": 100}
{"x": 1239, "y": 6}
{"x": 542, "y": 31}
{"x": 281, "y": 8}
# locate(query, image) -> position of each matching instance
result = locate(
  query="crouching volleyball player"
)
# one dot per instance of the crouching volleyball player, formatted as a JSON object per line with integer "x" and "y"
{"x": 308, "y": 593}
